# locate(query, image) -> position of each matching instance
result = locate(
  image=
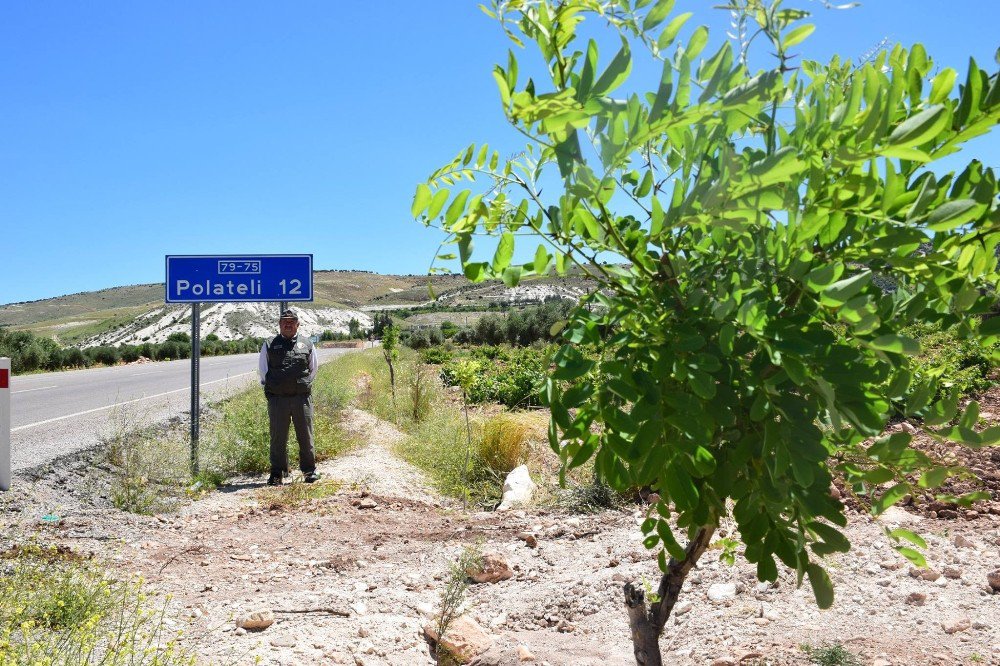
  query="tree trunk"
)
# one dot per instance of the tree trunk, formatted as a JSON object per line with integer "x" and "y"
{"x": 647, "y": 622}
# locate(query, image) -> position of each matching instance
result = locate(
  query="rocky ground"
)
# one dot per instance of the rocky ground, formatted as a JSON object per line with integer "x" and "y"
{"x": 355, "y": 577}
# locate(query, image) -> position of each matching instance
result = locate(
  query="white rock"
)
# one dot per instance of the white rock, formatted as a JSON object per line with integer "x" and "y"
{"x": 517, "y": 489}
{"x": 721, "y": 591}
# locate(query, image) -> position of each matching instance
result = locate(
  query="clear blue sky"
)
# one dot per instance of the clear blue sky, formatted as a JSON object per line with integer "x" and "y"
{"x": 133, "y": 130}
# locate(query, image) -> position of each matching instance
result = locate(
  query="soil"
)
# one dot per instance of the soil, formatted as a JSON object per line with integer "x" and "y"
{"x": 354, "y": 577}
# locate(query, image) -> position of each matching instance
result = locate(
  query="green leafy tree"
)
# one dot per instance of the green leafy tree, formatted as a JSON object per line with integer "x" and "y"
{"x": 390, "y": 350}
{"x": 737, "y": 217}
{"x": 354, "y": 329}
{"x": 466, "y": 371}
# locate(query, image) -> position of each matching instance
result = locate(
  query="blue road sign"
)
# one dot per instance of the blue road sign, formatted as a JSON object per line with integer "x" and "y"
{"x": 239, "y": 278}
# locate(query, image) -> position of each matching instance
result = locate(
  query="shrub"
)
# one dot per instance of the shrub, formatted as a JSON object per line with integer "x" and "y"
{"x": 104, "y": 355}
{"x": 61, "y": 609}
{"x": 504, "y": 444}
{"x": 435, "y": 355}
{"x": 964, "y": 365}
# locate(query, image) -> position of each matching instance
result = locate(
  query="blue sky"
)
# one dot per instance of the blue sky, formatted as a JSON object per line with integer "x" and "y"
{"x": 133, "y": 130}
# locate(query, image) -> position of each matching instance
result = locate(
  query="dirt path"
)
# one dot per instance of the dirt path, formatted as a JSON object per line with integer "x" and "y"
{"x": 369, "y": 563}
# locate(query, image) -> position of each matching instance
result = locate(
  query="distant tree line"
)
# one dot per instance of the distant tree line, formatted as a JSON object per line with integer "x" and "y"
{"x": 29, "y": 352}
{"x": 519, "y": 328}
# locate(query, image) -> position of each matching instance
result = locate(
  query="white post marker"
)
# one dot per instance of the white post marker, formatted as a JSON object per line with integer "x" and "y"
{"x": 4, "y": 423}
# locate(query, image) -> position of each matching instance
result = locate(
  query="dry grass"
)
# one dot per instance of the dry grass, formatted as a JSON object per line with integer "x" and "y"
{"x": 296, "y": 494}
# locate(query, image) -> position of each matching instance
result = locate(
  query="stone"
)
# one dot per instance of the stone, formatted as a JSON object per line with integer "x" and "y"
{"x": 367, "y": 503}
{"x": 518, "y": 489}
{"x": 962, "y": 542}
{"x": 956, "y": 625}
{"x": 492, "y": 568}
{"x": 464, "y": 639}
{"x": 530, "y": 539}
{"x": 916, "y": 599}
{"x": 952, "y": 572}
{"x": 524, "y": 654}
{"x": 724, "y": 661}
{"x": 925, "y": 574}
{"x": 993, "y": 578}
{"x": 283, "y": 641}
{"x": 256, "y": 620}
{"x": 721, "y": 592}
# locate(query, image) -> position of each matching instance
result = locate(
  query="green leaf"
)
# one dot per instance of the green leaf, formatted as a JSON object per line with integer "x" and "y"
{"x": 699, "y": 38}
{"x": 437, "y": 203}
{"x": 890, "y": 497}
{"x": 615, "y": 74}
{"x": 933, "y": 478}
{"x": 821, "y": 584}
{"x": 898, "y": 344}
{"x": 657, "y": 14}
{"x": 669, "y": 33}
{"x": 421, "y": 199}
{"x": 913, "y": 556}
{"x": 702, "y": 383}
{"x": 953, "y": 214}
{"x": 777, "y": 167}
{"x": 907, "y": 535}
{"x": 541, "y": 260}
{"x": 475, "y": 271}
{"x": 798, "y": 35}
{"x": 846, "y": 289}
{"x": 456, "y": 208}
{"x": 682, "y": 490}
{"x": 920, "y": 128}
{"x": 504, "y": 253}
{"x": 942, "y": 85}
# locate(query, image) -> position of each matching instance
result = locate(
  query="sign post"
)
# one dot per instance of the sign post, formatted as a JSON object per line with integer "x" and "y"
{"x": 198, "y": 279}
{"x": 195, "y": 383}
{"x": 4, "y": 423}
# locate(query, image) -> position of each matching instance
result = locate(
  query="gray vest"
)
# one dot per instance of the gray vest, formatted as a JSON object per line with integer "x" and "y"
{"x": 288, "y": 366}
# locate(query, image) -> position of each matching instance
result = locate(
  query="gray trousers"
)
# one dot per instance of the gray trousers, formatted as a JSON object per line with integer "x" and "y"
{"x": 298, "y": 409}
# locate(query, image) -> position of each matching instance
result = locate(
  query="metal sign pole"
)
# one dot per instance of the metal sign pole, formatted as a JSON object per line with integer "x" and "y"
{"x": 4, "y": 423}
{"x": 282, "y": 306}
{"x": 195, "y": 382}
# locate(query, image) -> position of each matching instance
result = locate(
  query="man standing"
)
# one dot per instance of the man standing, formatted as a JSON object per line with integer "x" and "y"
{"x": 287, "y": 367}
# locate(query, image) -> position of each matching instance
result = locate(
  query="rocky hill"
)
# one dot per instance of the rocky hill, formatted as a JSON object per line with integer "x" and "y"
{"x": 138, "y": 313}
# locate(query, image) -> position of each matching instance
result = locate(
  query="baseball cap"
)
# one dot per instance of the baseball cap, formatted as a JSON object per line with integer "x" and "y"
{"x": 289, "y": 314}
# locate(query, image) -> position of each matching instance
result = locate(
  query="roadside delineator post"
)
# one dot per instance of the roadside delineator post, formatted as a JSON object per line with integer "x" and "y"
{"x": 4, "y": 423}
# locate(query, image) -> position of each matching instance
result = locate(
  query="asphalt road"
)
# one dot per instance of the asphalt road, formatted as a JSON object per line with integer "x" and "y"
{"x": 57, "y": 413}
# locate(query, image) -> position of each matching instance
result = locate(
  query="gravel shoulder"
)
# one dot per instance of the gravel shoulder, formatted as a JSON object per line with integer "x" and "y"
{"x": 352, "y": 578}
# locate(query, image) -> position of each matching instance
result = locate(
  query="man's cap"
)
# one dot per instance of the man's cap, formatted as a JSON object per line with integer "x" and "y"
{"x": 289, "y": 314}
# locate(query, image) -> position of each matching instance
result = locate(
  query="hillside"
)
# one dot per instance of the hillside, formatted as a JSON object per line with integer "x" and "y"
{"x": 137, "y": 313}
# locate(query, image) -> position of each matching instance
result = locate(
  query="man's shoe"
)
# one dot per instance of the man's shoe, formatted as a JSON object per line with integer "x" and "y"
{"x": 274, "y": 480}
{"x": 313, "y": 477}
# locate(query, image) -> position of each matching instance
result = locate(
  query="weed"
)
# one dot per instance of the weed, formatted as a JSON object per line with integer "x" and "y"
{"x": 453, "y": 596}
{"x": 593, "y": 496}
{"x": 60, "y": 609}
{"x": 421, "y": 394}
{"x": 831, "y": 655}
{"x": 505, "y": 443}
{"x": 295, "y": 494}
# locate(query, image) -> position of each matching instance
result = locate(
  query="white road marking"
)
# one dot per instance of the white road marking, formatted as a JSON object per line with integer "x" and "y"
{"x": 128, "y": 402}
{"x": 40, "y": 388}
{"x": 151, "y": 372}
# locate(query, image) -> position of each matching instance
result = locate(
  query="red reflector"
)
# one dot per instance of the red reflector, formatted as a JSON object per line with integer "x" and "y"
{"x": 4, "y": 378}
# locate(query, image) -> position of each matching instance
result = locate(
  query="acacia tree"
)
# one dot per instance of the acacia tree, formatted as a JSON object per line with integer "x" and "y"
{"x": 739, "y": 352}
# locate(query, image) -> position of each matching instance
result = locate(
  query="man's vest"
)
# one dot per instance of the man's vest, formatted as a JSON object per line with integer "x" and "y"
{"x": 288, "y": 366}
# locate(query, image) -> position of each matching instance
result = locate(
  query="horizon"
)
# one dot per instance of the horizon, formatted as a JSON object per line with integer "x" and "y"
{"x": 138, "y": 131}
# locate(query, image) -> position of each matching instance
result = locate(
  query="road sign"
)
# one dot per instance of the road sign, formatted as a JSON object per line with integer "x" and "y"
{"x": 239, "y": 278}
